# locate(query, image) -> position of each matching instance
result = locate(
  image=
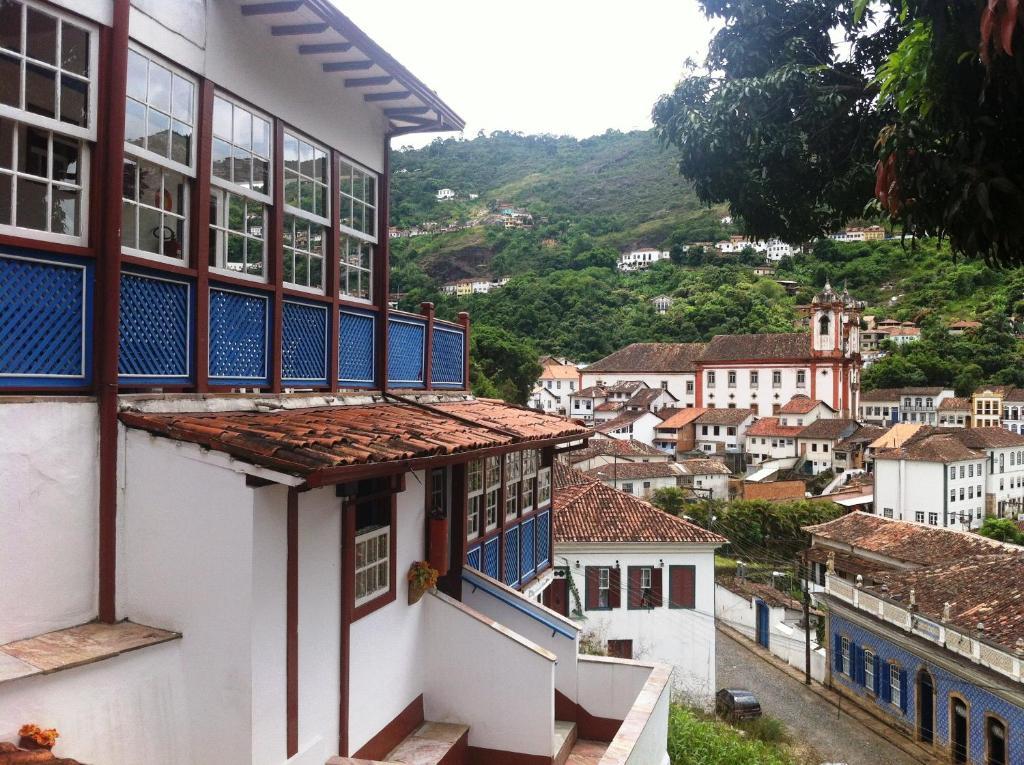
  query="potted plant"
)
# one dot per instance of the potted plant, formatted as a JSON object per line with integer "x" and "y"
{"x": 34, "y": 737}
{"x": 422, "y": 577}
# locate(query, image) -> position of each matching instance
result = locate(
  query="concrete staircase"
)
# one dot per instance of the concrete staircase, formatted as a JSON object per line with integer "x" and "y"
{"x": 565, "y": 739}
{"x": 432, "y": 743}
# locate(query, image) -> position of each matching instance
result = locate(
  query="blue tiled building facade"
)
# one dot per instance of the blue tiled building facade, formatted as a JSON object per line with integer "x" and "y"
{"x": 862, "y": 661}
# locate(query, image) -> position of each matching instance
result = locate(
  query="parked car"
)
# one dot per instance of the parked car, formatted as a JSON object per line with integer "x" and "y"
{"x": 734, "y": 705}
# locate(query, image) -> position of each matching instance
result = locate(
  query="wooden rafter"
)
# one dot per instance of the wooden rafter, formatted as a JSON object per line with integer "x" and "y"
{"x": 282, "y": 30}
{"x": 368, "y": 82}
{"x": 265, "y": 9}
{"x": 347, "y": 66}
{"x": 396, "y": 95}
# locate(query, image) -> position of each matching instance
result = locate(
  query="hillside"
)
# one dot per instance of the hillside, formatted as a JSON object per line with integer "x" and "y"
{"x": 592, "y": 198}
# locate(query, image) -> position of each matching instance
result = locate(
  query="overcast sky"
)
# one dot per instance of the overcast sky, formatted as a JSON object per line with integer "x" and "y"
{"x": 540, "y": 66}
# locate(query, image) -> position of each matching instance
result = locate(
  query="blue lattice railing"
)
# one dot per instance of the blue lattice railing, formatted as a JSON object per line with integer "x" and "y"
{"x": 528, "y": 542}
{"x": 473, "y": 558}
{"x": 356, "y": 349}
{"x": 511, "y": 555}
{"x": 45, "y": 321}
{"x": 543, "y": 538}
{"x": 239, "y": 327}
{"x": 491, "y": 558}
{"x": 155, "y": 330}
{"x": 406, "y": 349}
{"x": 447, "y": 357}
{"x": 304, "y": 343}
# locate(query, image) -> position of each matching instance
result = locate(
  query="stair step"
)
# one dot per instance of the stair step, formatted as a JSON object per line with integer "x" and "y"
{"x": 565, "y": 738}
{"x": 433, "y": 743}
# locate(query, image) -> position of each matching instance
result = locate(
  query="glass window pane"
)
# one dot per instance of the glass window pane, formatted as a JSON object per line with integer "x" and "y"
{"x": 159, "y": 87}
{"x": 41, "y": 36}
{"x": 302, "y": 270}
{"x": 65, "y": 160}
{"x": 306, "y": 158}
{"x": 286, "y": 232}
{"x": 316, "y": 272}
{"x": 74, "y": 45}
{"x": 370, "y": 221}
{"x": 31, "y": 204}
{"x": 236, "y": 252}
{"x": 221, "y": 159}
{"x": 6, "y": 143}
{"x": 254, "y": 257}
{"x": 149, "y": 185}
{"x": 10, "y": 81}
{"x": 74, "y": 97}
{"x": 10, "y": 26}
{"x": 261, "y": 137}
{"x": 370, "y": 193}
{"x": 291, "y": 192}
{"x": 158, "y": 133}
{"x": 33, "y": 150}
{"x": 181, "y": 143}
{"x": 260, "y": 171}
{"x": 64, "y": 213}
{"x": 135, "y": 123}
{"x": 242, "y": 168}
{"x": 254, "y": 219}
{"x": 182, "y": 97}
{"x": 291, "y": 152}
{"x": 236, "y": 213}
{"x": 222, "y": 118}
{"x": 242, "y": 134}
{"x": 129, "y": 189}
{"x": 175, "y": 185}
{"x": 306, "y": 195}
{"x": 6, "y": 182}
{"x": 128, "y": 228}
{"x": 40, "y": 90}
{"x": 137, "y": 68}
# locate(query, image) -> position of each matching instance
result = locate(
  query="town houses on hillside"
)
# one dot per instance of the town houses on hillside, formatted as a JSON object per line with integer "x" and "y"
{"x": 638, "y": 260}
{"x": 473, "y": 286}
{"x": 251, "y": 513}
{"x": 557, "y": 382}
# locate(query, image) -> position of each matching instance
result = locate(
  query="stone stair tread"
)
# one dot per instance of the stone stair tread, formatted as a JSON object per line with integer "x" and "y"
{"x": 428, "y": 744}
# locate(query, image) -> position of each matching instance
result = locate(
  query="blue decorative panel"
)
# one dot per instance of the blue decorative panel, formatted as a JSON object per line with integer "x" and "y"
{"x": 446, "y": 358}
{"x": 405, "y": 353}
{"x": 491, "y": 558}
{"x": 304, "y": 342}
{"x": 355, "y": 349}
{"x": 543, "y": 538}
{"x": 154, "y": 329}
{"x": 980, "y": 700}
{"x": 473, "y": 558}
{"x": 512, "y": 557}
{"x": 238, "y": 336}
{"x": 45, "y": 313}
{"x": 528, "y": 544}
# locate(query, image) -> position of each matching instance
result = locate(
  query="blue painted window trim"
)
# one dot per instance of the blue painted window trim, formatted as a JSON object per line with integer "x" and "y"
{"x": 513, "y": 602}
{"x": 474, "y": 558}
{"x": 247, "y": 382}
{"x": 84, "y": 378}
{"x": 492, "y": 544}
{"x": 326, "y": 308}
{"x": 187, "y": 378}
{"x": 353, "y": 382}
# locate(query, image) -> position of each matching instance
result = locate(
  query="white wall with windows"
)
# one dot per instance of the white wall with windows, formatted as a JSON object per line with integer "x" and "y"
{"x": 764, "y": 387}
{"x": 682, "y": 385}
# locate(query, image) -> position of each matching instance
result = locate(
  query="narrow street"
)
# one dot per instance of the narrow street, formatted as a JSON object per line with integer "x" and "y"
{"x": 834, "y": 735}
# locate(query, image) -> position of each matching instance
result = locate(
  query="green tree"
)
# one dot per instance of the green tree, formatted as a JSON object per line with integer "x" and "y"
{"x": 510, "y": 364}
{"x": 670, "y": 499}
{"x": 1001, "y": 529}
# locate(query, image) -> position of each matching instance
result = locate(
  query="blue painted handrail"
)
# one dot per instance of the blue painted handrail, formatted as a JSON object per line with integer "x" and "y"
{"x": 556, "y": 629}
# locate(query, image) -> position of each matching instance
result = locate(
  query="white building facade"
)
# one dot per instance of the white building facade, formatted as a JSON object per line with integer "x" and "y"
{"x": 638, "y": 260}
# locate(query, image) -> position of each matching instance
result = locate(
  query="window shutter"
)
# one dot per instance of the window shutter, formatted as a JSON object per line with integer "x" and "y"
{"x": 592, "y": 574}
{"x": 615, "y": 588}
{"x": 837, "y": 652}
{"x": 903, "y": 691}
{"x": 657, "y": 600}
{"x": 681, "y": 587}
{"x": 633, "y": 595}
{"x": 885, "y": 686}
{"x": 878, "y": 672}
{"x": 853, "y": 661}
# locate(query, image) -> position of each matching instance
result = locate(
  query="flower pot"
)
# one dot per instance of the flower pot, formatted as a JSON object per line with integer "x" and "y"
{"x": 27, "y": 742}
{"x": 416, "y": 591}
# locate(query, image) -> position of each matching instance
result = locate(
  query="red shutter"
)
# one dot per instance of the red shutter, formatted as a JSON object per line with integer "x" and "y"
{"x": 615, "y": 588}
{"x": 634, "y": 597}
{"x": 657, "y": 600}
{"x": 592, "y": 574}
{"x": 681, "y": 588}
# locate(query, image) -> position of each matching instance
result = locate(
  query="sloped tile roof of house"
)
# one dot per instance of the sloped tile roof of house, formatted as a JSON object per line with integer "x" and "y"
{"x": 552, "y": 370}
{"x": 790, "y": 345}
{"x": 802, "y": 405}
{"x": 589, "y": 511}
{"x": 703, "y": 467}
{"x": 895, "y": 436}
{"x": 747, "y": 589}
{"x": 1014, "y": 394}
{"x": 902, "y": 541}
{"x": 627, "y": 386}
{"x": 681, "y": 417}
{"x": 324, "y": 444}
{"x": 647, "y": 396}
{"x": 769, "y": 426}
{"x": 623, "y": 420}
{"x": 651, "y": 357}
{"x": 955, "y": 404}
{"x": 618, "y": 447}
{"x": 725, "y": 416}
{"x": 829, "y": 429}
{"x": 594, "y": 391}
{"x": 618, "y": 471}
{"x": 881, "y": 394}
{"x": 864, "y": 435}
{"x": 931, "y": 444}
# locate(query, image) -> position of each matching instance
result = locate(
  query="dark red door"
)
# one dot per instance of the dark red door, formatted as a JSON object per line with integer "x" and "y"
{"x": 556, "y": 596}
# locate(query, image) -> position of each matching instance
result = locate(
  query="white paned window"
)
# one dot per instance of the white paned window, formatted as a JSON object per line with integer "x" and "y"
{"x": 306, "y": 199}
{"x": 513, "y": 466}
{"x": 42, "y": 176}
{"x": 603, "y": 587}
{"x": 894, "y": 683}
{"x": 511, "y": 500}
{"x": 357, "y": 190}
{"x": 543, "y": 487}
{"x": 846, "y": 655}
{"x": 355, "y": 272}
{"x": 492, "y": 510}
{"x": 475, "y": 491}
{"x": 373, "y": 565}
{"x": 241, "y": 185}
{"x": 869, "y": 671}
{"x": 154, "y": 209}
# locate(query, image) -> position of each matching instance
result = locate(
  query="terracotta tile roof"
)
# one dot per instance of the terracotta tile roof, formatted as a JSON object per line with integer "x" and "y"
{"x": 981, "y": 589}
{"x": 556, "y": 371}
{"x": 564, "y": 476}
{"x": 863, "y": 436}
{"x": 618, "y": 447}
{"x": 902, "y": 541}
{"x": 747, "y": 589}
{"x": 792, "y": 345}
{"x": 648, "y": 396}
{"x": 725, "y": 416}
{"x": 681, "y": 417}
{"x": 593, "y": 512}
{"x": 965, "y": 325}
{"x": 905, "y": 332}
{"x": 624, "y": 419}
{"x": 703, "y": 467}
{"x": 954, "y": 403}
{"x": 324, "y": 443}
{"x": 619, "y": 471}
{"x": 626, "y": 386}
{"x": 881, "y": 394}
{"x": 930, "y": 444}
{"x": 594, "y": 391}
{"x": 895, "y": 436}
{"x": 802, "y": 405}
{"x": 769, "y": 426}
{"x": 846, "y": 562}
{"x": 608, "y": 406}
{"x": 829, "y": 429}
{"x": 1014, "y": 394}
{"x": 651, "y": 357}
{"x": 987, "y": 438}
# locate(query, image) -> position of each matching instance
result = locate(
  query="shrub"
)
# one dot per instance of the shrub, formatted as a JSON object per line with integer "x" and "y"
{"x": 694, "y": 739}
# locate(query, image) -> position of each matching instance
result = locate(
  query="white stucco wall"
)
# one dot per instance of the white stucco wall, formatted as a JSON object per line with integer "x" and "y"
{"x": 676, "y": 382}
{"x": 49, "y": 516}
{"x": 683, "y": 638}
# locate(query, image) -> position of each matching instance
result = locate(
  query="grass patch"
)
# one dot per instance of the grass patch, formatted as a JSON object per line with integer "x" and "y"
{"x": 696, "y": 738}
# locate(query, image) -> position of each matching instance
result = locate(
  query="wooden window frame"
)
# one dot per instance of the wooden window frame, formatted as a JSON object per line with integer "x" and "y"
{"x": 349, "y": 558}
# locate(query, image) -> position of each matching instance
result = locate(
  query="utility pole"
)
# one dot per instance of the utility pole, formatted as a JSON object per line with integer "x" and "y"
{"x": 807, "y": 624}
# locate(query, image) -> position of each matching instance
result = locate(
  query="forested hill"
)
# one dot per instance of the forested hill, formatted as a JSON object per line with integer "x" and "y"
{"x": 592, "y": 198}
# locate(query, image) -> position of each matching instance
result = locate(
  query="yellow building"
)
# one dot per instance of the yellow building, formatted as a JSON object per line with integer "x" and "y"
{"x": 987, "y": 406}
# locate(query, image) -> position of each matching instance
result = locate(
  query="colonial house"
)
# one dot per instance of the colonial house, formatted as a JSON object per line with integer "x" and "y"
{"x": 543, "y": 400}
{"x": 641, "y": 479}
{"x": 662, "y": 303}
{"x": 706, "y": 478}
{"x": 649, "y": 399}
{"x": 638, "y": 260}
{"x": 223, "y": 454}
{"x": 921, "y": 405}
{"x": 765, "y": 371}
{"x": 637, "y": 426}
{"x": 816, "y": 442}
{"x": 721, "y": 431}
{"x": 932, "y": 646}
{"x": 584, "y": 402}
{"x": 602, "y": 450}
{"x": 802, "y": 410}
{"x": 1013, "y": 410}
{"x": 852, "y": 453}
{"x": 955, "y": 413}
{"x": 958, "y": 328}
{"x": 880, "y": 406}
{"x": 987, "y": 406}
{"x": 640, "y": 580}
{"x": 768, "y": 439}
{"x": 443, "y": 195}
{"x": 951, "y": 477}
{"x": 558, "y": 378}
{"x": 671, "y": 366}
{"x": 677, "y": 433}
